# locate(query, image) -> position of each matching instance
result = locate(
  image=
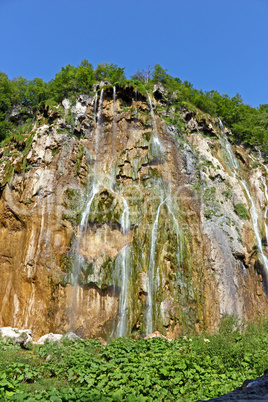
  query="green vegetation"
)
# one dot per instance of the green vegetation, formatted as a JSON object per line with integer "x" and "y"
{"x": 210, "y": 194}
{"x": 249, "y": 125}
{"x": 227, "y": 194}
{"x": 128, "y": 370}
{"x": 241, "y": 211}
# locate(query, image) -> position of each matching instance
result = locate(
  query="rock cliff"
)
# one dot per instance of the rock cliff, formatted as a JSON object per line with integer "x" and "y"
{"x": 114, "y": 222}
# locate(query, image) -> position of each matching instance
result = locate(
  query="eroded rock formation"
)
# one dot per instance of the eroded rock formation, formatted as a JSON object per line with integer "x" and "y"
{"x": 113, "y": 223}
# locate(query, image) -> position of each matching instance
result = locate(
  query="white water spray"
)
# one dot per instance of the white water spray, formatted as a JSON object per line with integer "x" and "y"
{"x": 156, "y": 140}
{"x": 123, "y": 307}
{"x": 151, "y": 273}
{"x": 266, "y": 209}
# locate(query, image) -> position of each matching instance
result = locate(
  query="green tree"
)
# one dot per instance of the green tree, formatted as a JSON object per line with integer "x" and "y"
{"x": 109, "y": 72}
{"x": 64, "y": 83}
{"x": 85, "y": 76}
{"x": 5, "y": 103}
{"x": 36, "y": 92}
{"x": 19, "y": 87}
{"x": 160, "y": 75}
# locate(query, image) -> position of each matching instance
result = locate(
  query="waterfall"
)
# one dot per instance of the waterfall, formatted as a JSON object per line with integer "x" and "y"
{"x": 124, "y": 274}
{"x": 180, "y": 240}
{"x": 231, "y": 157}
{"x": 156, "y": 141}
{"x": 253, "y": 211}
{"x": 114, "y": 121}
{"x": 151, "y": 273}
{"x": 113, "y": 169}
{"x": 266, "y": 209}
{"x": 86, "y": 212}
{"x": 92, "y": 190}
{"x": 95, "y": 184}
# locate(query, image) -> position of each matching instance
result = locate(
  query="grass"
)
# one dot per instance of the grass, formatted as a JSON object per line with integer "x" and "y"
{"x": 127, "y": 370}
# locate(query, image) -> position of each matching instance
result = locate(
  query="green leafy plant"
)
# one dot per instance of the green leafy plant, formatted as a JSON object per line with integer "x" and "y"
{"x": 241, "y": 211}
{"x": 185, "y": 368}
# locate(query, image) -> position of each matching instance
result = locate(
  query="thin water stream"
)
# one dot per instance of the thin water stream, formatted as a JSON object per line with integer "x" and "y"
{"x": 253, "y": 211}
{"x": 152, "y": 277}
{"x": 121, "y": 329}
{"x": 266, "y": 209}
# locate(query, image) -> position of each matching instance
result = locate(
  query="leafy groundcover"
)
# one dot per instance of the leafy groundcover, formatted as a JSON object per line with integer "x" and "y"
{"x": 184, "y": 369}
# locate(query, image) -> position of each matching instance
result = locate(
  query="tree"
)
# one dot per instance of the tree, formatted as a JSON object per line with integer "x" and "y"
{"x": 64, "y": 83}
{"x": 36, "y": 92}
{"x": 143, "y": 75}
{"x": 85, "y": 76}
{"x": 160, "y": 75}
{"x": 109, "y": 72}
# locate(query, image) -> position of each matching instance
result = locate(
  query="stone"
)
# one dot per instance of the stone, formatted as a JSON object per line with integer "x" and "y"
{"x": 18, "y": 114}
{"x": 156, "y": 334}
{"x": 66, "y": 103}
{"x": 100, "y": 84}
{"x": 49, "y": 338}
{"x": 71, "y": 336}
{"x": 21, "y": 337}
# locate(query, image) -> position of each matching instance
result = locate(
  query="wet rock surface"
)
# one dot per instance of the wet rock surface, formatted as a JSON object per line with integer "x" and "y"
{"x": 162, "y": 213}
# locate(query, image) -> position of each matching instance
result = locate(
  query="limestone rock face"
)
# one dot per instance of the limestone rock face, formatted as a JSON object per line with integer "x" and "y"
{"x": 128, "y": 227}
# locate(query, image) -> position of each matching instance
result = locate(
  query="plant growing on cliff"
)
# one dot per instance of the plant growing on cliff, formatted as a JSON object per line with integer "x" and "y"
{"x": 241, "y": 211}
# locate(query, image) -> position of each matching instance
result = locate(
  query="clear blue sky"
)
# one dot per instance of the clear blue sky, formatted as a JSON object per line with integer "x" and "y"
{"x": 215, "y": 44}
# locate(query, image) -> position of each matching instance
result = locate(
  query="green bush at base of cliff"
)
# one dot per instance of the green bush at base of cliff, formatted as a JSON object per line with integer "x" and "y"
{"x": 127, "y": 370}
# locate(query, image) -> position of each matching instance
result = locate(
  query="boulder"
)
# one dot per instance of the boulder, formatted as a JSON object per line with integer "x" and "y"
{"x": 156, "y": 334}
{"x": 21, "y": 337}
{"x": 49, "y": 338}
{"x": 71, "y": 336}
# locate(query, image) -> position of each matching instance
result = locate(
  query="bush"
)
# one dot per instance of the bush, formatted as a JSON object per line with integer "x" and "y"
{"x": 241, "y": 211}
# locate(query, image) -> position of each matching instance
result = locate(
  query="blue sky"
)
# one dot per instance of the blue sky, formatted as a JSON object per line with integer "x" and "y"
{"x": 214, "y": 44}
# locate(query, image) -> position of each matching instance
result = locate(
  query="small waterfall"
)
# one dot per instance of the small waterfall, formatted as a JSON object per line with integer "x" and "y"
{"x": 253, "y": 211}
{"x": 86, "y": 212}
{"x": 156, "y": 141}
{"x": 152, "y": 278}
{"x": 180, "y": 240}
{"x": 114, "y": 120}
{"x": 231, "y": 157}
{"x": 112, "y": 178}
{"x": 266, "y": 209}
{"x": 98, "y": 130}
{"x": 123, "y": 307}
{"x": 92, "y": 190}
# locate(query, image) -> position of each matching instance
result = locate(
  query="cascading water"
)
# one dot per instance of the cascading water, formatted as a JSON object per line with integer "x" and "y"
{"x": 152, "y": 277}
{"x": 121, "y": 329}
{"x": 231, "y": 157}
{"x": 180, "y": 239}
{"x": 253, "y": 211}
{"x": 112, "y": 179}
{"x": 156, "y": 142}
{"x": 92, "y": 190}
{"x": 266, "y": 209}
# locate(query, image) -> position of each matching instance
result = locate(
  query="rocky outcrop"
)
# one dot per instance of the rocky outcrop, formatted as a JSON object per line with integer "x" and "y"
{"x": 113, "y": 223}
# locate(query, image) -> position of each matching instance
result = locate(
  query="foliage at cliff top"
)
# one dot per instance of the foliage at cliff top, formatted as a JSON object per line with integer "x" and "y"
{"x": 249, "y": 125}
{"x": 184, "y": 369}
